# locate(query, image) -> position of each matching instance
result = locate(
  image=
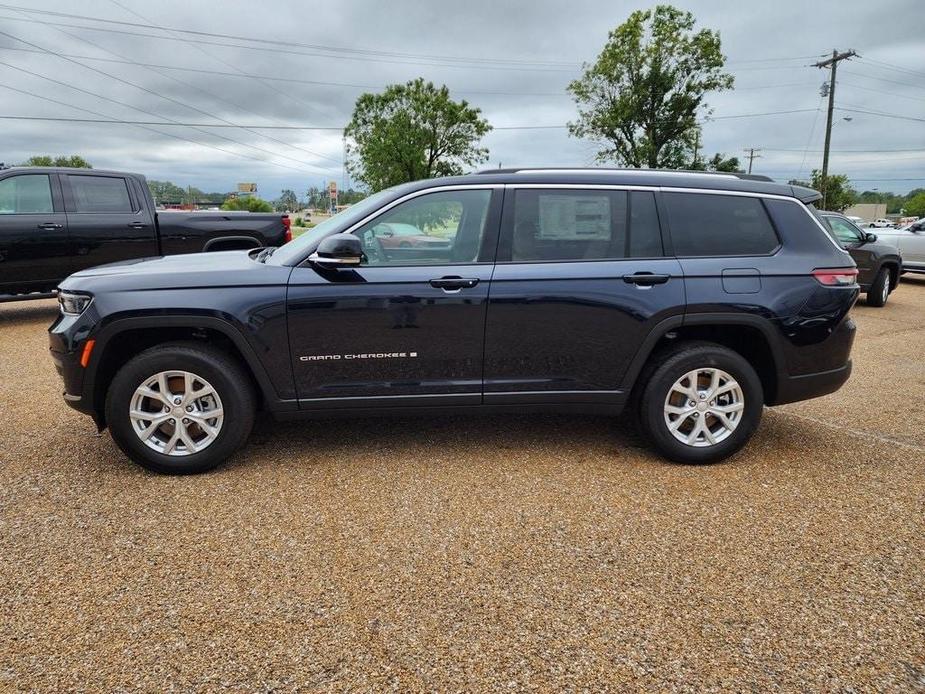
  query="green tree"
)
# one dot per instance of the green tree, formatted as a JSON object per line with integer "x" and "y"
{"x": 247, "y": 204}
{"x": 839, "y": 193}
{"x": 717, "y": 163}
{"x": 75, "y": 161}
{"x": 641, "y": 98}
{"x": 412, "y": 131}
{"x": 287, "y": 201}
{"x": 915, "y": 206}
{"x": 165, "y": 191}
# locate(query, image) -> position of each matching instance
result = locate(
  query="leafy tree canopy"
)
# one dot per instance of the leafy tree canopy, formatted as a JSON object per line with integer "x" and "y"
{"x": 247, "y": 204}
{"x": 412, "y": 131}
{"x": 916, "y": 205}
{"x": 75, "y": 161}
{"x": 717, "y": 163}
{"x": 839, "y": 193}
{"x": 641, "y": 98}
{"x": 287, "y": 201}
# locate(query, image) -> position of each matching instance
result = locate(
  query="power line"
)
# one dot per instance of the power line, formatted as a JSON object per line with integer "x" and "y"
{"x": 278, "y": 49}
{"x": 146, "y": 127}
{"x": 882, "y": 114}
{"x": 186, "y": 124}
{"x": 275, "y": 42}
{"x": 891, "y": 94}
{"x": 883, "y": 79}
{"x": 146, "y": 90}
{"x": 203, "y": 112}
{"x": 891, "y": 66}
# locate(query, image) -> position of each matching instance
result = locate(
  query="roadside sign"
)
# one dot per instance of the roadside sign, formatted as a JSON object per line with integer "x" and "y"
{"x": 247, "y": 187}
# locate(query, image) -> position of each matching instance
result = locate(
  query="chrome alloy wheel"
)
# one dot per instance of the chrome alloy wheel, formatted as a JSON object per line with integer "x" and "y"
{"x": 176, "y": 413}
{"x": 885, "y": 292}
{"x": 704, "y": 407}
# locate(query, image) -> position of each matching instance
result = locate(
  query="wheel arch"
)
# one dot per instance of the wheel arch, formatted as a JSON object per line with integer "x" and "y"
{"x": 750, "y": 336}
{"x": 121, "y": 340}
{"x": 231, "y": 243}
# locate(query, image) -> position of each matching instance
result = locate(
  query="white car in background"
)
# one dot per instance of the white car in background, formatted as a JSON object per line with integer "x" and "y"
{"x": 882, "y": 224}
{"x": 910, "y": 240}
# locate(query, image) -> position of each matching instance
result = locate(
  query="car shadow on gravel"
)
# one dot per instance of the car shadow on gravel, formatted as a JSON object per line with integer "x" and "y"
{"x": 466, "y": 437}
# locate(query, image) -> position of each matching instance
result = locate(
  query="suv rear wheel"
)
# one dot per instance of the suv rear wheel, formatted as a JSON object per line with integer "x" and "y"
{"x": 701, "y": 404}
{"x": 180, "y": 408}
{"x": 879, "y": 291}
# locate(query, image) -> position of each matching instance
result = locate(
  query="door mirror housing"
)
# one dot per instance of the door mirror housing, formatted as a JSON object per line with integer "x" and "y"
{"x": 338, "y": 251}
{"x": 870, "y": 237}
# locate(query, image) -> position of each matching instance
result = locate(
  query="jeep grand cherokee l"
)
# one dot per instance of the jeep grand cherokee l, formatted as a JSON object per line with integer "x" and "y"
{"x": 692, "y": 299}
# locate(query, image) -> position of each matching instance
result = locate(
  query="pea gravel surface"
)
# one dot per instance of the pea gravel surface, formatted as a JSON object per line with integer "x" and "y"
{"x": 484, "y": 553}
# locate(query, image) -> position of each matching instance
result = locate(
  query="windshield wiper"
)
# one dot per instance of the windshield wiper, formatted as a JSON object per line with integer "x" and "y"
{"x": 265, "y": 253}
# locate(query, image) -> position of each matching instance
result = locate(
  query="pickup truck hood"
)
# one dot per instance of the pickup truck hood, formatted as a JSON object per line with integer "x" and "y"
{"x": 219, "y": 269}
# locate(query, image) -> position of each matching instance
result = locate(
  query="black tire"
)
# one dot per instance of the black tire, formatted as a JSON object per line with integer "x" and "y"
{"x": 672, "y": 365}
{"x": 223, "y": 372}
{"x": 879, "y": 290}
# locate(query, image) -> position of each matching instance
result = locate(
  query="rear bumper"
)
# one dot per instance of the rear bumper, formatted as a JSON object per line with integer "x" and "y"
{"x": 796, "y": 388}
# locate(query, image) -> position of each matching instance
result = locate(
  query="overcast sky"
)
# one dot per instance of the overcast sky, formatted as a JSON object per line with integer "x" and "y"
{"x": 513, "y": 59}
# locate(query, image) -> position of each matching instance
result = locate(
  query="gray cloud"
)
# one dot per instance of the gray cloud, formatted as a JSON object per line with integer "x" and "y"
{"x": 769, "y": 50}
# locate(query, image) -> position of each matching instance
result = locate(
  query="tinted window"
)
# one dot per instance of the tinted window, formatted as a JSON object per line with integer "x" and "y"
{"x": 705, "y": 225}
{"x": 844, "y": 230}
{"x": 30, "y": 194}
{"x": 554, "y": 225}
{"x": 435, "y": 229}
{"x": 100, "y": 194}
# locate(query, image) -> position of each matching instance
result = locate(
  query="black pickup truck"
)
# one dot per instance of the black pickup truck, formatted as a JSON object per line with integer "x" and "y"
{"x": 56, "y": 221}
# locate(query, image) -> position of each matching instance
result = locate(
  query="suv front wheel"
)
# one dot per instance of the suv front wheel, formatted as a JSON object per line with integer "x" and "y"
{"x": 180, "y": 408}
{"x": 701, "y": 403}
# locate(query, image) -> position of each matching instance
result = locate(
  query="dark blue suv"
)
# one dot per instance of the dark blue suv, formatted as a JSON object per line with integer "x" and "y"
{"x": 695, "y": 299}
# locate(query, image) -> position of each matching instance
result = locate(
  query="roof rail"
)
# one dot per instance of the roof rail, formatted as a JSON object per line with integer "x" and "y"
{"x": 591, "y": 169}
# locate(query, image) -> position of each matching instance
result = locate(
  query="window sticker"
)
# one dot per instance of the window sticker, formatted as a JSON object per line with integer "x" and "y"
{"x": 574, "y": 217}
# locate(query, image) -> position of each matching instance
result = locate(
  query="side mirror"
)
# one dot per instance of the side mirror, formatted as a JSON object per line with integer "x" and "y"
{"x": 338, "y": 251}
{"x": 869, "y": 237}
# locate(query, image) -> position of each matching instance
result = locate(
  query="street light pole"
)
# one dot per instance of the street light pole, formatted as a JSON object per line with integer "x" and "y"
{"x": 832, "y": 64}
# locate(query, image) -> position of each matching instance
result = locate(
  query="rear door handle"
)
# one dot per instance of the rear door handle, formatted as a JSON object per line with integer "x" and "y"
{"x": 645, "y": 279}
{"x": 451, "y": 284}
{"x": 50, "y": 226}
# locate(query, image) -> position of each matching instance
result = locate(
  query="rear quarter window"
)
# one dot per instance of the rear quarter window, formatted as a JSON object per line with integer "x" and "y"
{"x": 719, "y": 225}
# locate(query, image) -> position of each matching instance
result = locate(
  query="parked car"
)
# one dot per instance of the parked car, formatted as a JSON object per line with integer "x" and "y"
{"x": 879, "y": 263}
{"x": 394, "y": 235}
{"x": 882, "y": 224}
{"x": 56, "y": 221}
{"x": 694, "y": 299}
{"x": 911, "y": 243}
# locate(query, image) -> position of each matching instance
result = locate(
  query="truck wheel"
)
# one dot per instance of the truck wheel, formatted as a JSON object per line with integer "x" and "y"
{"x": 879, "y": 291}
{"x": 180, "y": 408}
{"x": 701, "y": 404}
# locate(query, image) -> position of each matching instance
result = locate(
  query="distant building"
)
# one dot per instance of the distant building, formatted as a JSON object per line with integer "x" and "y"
{"x": 868, "y": 211}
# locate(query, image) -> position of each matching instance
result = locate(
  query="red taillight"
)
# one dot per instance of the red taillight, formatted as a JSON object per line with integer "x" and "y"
{"x": 836, "y": 277}
{"x": 287, "y": 225}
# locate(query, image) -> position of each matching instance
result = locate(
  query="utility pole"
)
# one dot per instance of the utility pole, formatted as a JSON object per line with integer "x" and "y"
{"x": 752, "y": 156}
{"x": 832, "y": 64}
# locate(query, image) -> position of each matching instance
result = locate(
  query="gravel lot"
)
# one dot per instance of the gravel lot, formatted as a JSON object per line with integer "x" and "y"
{"x": 482, "y": 553}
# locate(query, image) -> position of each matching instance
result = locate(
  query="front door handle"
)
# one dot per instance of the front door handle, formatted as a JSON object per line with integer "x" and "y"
{"x": 137, "y": 225}
{"x": 452, "y": 284}
{"x": 645, "y": 279}
{"x": 50, "y": 226}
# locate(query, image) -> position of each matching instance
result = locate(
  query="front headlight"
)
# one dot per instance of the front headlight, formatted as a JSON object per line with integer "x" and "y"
{"x": 73, "y": 304}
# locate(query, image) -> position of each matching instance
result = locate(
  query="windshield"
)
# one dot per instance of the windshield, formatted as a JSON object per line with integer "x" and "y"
{"x": 294, "y": 251}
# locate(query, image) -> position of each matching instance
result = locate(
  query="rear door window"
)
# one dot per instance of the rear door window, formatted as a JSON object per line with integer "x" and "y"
{"x": 26, "y": 194}
{"x": 705, "y": 224}
{"x": 554, "y": 225}
{"x": 100, "y": 194}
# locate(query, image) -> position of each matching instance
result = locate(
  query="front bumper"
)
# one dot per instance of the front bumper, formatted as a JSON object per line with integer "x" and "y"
{"x": 66, "y": 339}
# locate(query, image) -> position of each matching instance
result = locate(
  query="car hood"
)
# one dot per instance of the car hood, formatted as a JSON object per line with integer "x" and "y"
{"x": 220, "y": 269}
